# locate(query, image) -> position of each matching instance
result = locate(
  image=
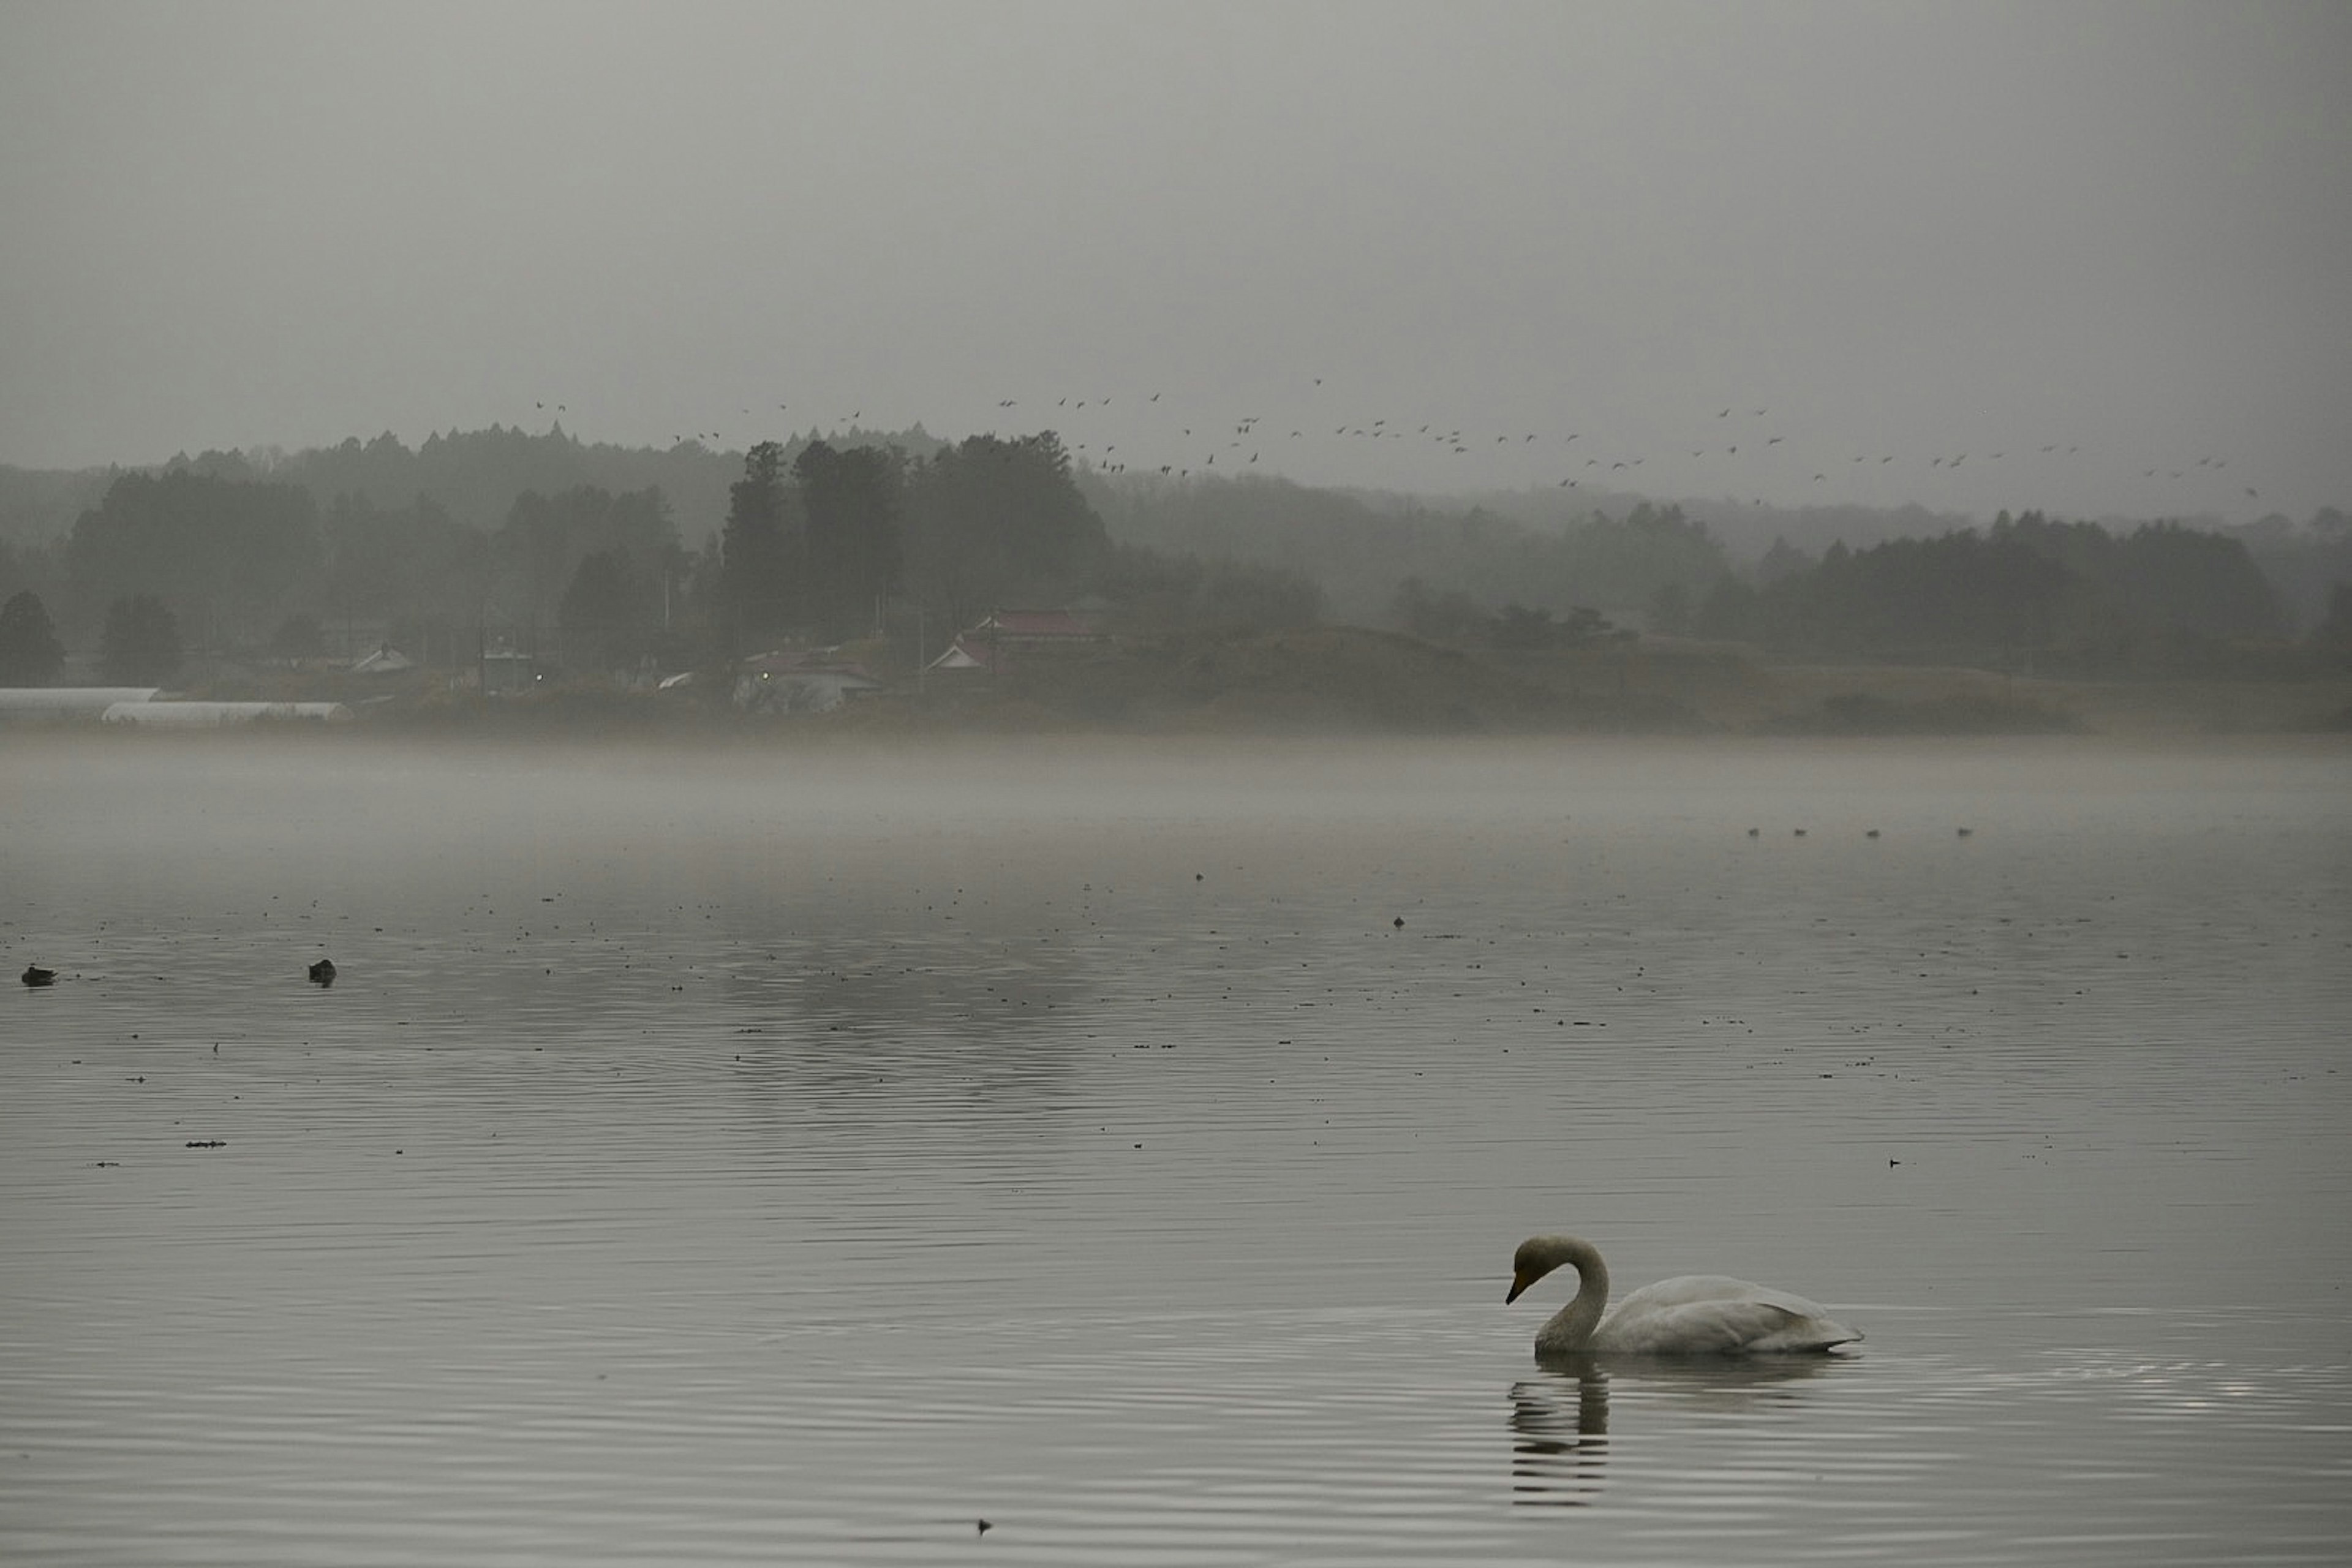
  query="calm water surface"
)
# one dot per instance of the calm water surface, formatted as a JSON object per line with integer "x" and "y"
{"x": 766, "y": 1158}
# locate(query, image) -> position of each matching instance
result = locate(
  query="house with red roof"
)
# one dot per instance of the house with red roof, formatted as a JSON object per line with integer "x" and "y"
{"x": 1009, "y": 638}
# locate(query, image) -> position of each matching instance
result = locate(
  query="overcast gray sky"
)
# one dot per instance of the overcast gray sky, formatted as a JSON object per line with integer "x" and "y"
{"x": 2123, "y": 231}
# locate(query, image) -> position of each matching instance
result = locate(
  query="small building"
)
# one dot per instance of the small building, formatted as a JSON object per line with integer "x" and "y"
{"x": 978, "y": 655}
{"x": 793, "y": 681}
{"x": 385, "y": 660}
{"x": 505, "y": 671}
{"x": 1009, "y": 638}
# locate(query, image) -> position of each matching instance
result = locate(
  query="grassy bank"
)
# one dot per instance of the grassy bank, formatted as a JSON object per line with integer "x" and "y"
{"x": 1353, "y": 681}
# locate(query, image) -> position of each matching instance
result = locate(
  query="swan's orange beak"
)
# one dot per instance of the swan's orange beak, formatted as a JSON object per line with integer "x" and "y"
{"x": 1519, "y": 1283}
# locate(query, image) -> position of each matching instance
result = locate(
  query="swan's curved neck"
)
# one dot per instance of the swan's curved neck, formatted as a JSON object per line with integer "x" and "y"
{"x": 1572, "y": 1327}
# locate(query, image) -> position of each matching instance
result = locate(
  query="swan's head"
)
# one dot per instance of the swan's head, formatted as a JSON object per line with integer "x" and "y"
{"x": 1538, "y": 1256}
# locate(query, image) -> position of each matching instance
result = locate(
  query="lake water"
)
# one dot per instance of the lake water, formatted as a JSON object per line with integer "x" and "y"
{"x": 762, "y": 1156}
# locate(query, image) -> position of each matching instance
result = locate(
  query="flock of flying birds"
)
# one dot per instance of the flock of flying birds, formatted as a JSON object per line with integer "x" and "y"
{"x": 1734, "y": 440}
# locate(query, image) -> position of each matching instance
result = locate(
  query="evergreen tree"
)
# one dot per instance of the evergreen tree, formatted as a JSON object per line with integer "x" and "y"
{"x": 756, "y": 549}
{"x": 298, "y": 636}
{"x": 995, "y": 523}
{"x": 2335, "y": 632}
{"x": 142, "y": 643}
{"x": 850, "y": 499}
{"x": 609, "y": 613}
{"x": 227, "y": 550}
{"x": 546, "y": 538}
{"x": 30, "y": 654}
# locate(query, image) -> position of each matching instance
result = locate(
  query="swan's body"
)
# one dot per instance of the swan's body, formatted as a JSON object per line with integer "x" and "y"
{"x": 1697, "y": 1314}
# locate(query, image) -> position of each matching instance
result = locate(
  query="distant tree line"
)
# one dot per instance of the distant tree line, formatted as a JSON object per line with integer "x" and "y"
{"x": 2065, "y": 596}
{"x": 251, "y": 567}
{"x": 1451, "y": 616}
{"x": 821, "y": 545}
{"x": 1357, "y": 549}
{"x": 576, "y": 551}
{"x": 2306, "y": 564}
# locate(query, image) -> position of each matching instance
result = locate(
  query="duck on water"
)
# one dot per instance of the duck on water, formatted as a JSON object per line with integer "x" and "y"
{"x": 1694, "y": 1314}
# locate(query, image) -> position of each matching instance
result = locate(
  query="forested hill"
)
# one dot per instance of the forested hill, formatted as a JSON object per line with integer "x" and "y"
{"x": 1747, "y": 529}
{"x": 1360, "y": 550}
{"x": 1554, "y": 549}
{"x": 1555, "y": 552}
{"x": 474, "y": 476}
{"x": 39, "y": 505}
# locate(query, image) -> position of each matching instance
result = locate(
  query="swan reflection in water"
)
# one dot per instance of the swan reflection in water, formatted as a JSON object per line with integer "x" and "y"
{"x": 1559, "y": 1421}
{"x": 1560, "y": 1437}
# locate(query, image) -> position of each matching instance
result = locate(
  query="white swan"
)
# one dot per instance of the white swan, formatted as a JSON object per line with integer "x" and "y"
{"x": 1697, "y": 1314}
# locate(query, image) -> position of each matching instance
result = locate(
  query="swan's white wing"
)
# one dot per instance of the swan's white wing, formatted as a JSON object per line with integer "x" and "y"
{"x": 1710, "y": 1314}
{"x": 1689, "y": 1287}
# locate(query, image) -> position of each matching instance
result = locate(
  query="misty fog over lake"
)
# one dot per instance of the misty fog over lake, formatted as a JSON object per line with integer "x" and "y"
{"x": 772, "y": 1153}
